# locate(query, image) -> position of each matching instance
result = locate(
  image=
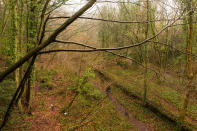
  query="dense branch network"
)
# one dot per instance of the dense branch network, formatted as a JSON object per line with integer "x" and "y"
{"x": 123, "y": 47}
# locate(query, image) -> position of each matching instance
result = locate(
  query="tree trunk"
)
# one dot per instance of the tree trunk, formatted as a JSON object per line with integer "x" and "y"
{"x": 47, "y": 42}
{"x": 189, "y": 66}
{"x": 146, "y": 54}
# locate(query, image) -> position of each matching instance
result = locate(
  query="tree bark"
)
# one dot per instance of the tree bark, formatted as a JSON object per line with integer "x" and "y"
{"x": 51, "y": 39}
{"x": 190, "y": 74}
{"x": 146, "y": 53}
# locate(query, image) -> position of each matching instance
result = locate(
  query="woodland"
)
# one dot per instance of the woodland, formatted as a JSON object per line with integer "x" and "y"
{"x": 98, "y": 65}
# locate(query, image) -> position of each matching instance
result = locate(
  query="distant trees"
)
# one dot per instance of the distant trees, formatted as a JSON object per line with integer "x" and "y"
{"x": 165, "y": 51}
{"x": 23, "y": 37}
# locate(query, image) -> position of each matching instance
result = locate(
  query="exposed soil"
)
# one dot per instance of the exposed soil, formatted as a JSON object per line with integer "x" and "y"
{"x": 170, "y": 106}
{"x": 173, "y": 109}
{"x": 45, "y": 117}
{"x": 46, "y": 110}
{"x": 138, "y": 124}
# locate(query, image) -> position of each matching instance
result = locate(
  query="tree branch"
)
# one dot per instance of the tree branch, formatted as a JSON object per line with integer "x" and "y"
{"x": 91, "y": 47}
{"x": 118, "y": 48}
{"x": 47, "y": 42}
{"x": 114, "y": 21}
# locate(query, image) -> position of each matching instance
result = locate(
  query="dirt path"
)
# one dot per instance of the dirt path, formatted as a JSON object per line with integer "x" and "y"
{"x": 172, "y": 108}
{"x": 138, "y": 124}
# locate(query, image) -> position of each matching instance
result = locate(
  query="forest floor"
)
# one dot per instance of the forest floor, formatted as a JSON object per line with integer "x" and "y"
{"x": 49, "y": 106}
{"x": 117, "y": 110}
{"x": 46, "y": 109}
{"x": 121, "y": 109}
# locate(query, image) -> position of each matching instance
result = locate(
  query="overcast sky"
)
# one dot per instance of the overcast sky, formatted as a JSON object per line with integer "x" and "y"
{"x": 74, "y": 5}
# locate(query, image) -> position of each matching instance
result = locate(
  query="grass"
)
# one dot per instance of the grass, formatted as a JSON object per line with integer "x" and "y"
{"x": 168, "y": 93}
{"x": 132, "y": 81}
{"x": 104, "y": 116}
{"x": 143, "y": 114}
{"x": 89, "y": 105}
{"x": 101, "y": 111}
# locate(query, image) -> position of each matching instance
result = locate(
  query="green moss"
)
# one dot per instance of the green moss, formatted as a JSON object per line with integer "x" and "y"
{"x": 44, "y": 75}
{"x": 47, "y": 85}
{"x": 104, "y": 115}
{"x": 132, "y": 81}
{"x": 145, "y": 115}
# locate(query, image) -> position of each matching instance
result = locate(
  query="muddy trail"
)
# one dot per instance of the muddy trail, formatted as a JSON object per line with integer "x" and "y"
{"x": 171, "y": 117}
{"x": 173, "y": 109}
{"x": 138, "y": 124}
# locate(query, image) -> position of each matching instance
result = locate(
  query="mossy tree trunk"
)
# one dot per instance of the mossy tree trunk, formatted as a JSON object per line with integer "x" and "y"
{"x": 190, "y": 75}
{"x": 31, "y": 42}
{"x": 14, "y": 41}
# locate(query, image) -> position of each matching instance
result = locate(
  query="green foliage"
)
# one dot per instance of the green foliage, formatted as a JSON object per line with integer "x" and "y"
{"x": 90, "y": 91}
{"x": 84, "y": 79}
{"x": 116, "y": 35}
{"x": 45, "y": 78}
{"x": 44, "y": 75}
{"x": 85, "y": 88}
{"x": 47, "y": 85}
{"x": 7, "y": 89}
{"x": 5, "y": 51}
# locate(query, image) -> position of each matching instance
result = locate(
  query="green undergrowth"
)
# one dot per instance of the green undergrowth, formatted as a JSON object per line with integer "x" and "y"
{"x": 136, "y": 107}
{"x": 132, "y": 81}
{"x": 45, "y": 78}
{"x": 16, "y": 120}
{"x": 91, "y": 109}
{"x": 100, "y": 112}
{"x": 169, "y": 94}
{"x": 7, "y": 89}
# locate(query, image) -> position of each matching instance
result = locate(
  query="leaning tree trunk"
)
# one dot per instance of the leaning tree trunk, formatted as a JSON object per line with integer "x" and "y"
{"x": 33, "y": 54}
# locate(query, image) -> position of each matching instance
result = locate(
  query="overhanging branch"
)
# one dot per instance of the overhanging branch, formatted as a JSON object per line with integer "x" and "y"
{"x": 51, "y": 39}
{"x": 114, "y": 21}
